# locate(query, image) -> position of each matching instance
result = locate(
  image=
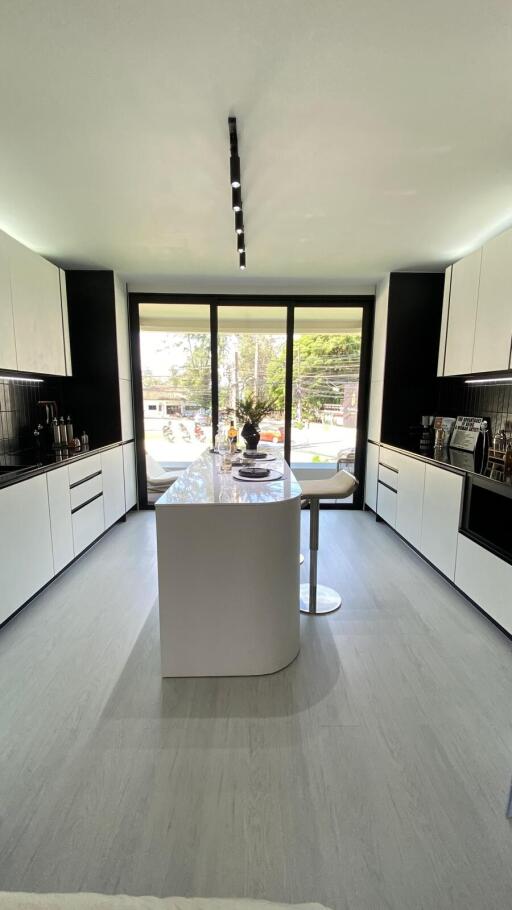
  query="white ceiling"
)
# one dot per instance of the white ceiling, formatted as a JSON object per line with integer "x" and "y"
{"x": 373, "y": 136}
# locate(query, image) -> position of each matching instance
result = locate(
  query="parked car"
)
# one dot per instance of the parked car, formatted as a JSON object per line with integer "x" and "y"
{"x": 269, "y": 433}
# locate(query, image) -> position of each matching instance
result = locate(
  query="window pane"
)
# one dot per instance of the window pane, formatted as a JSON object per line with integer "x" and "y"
{"x": 252, "y": 361}
{"x": 176, "y": 381}
{"x": 326, "y": 364}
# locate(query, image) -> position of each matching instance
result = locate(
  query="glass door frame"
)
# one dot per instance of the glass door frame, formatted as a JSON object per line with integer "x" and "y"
{"x": 365, "y": 302}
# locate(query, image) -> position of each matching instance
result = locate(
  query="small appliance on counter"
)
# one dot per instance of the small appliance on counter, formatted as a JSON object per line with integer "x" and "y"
{"x": 469, "y": 444}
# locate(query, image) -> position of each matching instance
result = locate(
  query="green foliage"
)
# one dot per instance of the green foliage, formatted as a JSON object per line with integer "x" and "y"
{"x": 252, "y": 410}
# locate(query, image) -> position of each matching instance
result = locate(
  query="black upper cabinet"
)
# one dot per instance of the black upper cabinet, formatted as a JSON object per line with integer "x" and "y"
{"x": 413, "y": 330}
{"x": 92, "y": 327}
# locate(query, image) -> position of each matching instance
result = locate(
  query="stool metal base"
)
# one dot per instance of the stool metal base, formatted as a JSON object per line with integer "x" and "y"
{"x": 327, "y": 600}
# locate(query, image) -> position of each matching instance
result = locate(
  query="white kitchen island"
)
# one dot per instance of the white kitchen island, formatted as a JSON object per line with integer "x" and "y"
{"x": 228, "y": 572}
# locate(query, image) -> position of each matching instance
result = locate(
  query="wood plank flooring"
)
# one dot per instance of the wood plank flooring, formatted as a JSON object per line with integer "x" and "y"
{"x": 371, "y": 773}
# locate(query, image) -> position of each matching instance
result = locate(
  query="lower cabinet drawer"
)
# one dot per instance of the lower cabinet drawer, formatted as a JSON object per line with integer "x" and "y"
{"x": 88, "y": 524}
{"x": 386, "y": 504}
{"x": 86, "y": 490}
{"x": 389, "y": 477}
{"x": 389, "y": 458}
{"x": 84, "y": 467}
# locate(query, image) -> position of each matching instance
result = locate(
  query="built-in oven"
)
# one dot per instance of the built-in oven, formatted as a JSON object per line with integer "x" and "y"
{"x": 487, "y": 515}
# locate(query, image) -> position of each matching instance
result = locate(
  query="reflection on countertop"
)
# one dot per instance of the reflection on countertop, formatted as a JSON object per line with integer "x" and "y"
{"x": 202, "y": 483}
{"x": 18, "y": 466}
{"x": 454, "y": 458}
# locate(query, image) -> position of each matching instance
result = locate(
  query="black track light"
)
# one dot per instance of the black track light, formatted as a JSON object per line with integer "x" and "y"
{"x": 239, "y": 222}
{"x": 240, "y": 243}
{"x": 242, "y": 261}
{"x": 234, "y": 170}
{"x": 236, "y": 199}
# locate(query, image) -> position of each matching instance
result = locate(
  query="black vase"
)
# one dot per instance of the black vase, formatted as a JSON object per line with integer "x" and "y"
{"x": 251, "y": 435}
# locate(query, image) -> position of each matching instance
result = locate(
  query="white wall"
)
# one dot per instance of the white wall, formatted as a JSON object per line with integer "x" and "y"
{"x": 378, "y": 360}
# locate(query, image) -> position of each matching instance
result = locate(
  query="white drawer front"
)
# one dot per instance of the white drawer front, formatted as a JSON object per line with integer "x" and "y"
{"x": 86, "y": 490}
{"x": 389, "y": 458}
{"x": 88, "y": 524}
{"x": 389, "y": 477}
{"x": 79, "y": 470}
{"x": 386, "y": 504}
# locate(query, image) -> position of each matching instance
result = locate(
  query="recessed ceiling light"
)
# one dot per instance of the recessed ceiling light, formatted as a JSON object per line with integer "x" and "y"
{"x": 239, "y": 222}
{"x": 242, "y": 261}
{"x": 241, "y": 243}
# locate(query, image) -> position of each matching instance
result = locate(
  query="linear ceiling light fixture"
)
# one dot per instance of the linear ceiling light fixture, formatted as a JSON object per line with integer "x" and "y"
{"x": 236, "y": 190}
{"x": 498, "y": 379}
{"x": 20, "y": 378}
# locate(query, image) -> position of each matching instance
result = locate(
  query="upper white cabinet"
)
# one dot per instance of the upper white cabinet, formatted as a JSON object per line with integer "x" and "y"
{"x": 7, "y": 343}
{"x": 460, "y": 335}
{"x": 122, "y": 334}
{"x": 444, "y": 320}
{"x": 441, "y": 516}
{"x": 493, "y": 335}
{"x": 35, "y": 288}
{"x": 476, "y": 329}
{"x": 33, "y": 326}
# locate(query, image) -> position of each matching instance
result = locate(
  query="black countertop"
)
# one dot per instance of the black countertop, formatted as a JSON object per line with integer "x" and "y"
{"x": 454, "y": 460}
{"x": 15, "y": 468}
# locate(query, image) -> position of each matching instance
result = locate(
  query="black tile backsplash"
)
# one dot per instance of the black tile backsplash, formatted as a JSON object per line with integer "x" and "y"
{"x": 19, "y": 411}
{"x": 492, "y": 401}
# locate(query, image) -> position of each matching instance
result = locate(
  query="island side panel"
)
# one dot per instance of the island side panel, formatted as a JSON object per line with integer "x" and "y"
{"x": 228, "y": 588}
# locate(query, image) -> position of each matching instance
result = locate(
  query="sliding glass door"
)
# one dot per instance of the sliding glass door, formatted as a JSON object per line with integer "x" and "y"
{"x": 251, "y": 345}
{"x": 175, "y": 360}
{"x": 325, "y": 389}
{"x": 196, "y": 359}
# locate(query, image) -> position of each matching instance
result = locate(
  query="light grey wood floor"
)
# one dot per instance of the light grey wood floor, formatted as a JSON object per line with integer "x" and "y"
{"x": 371, "y": 773}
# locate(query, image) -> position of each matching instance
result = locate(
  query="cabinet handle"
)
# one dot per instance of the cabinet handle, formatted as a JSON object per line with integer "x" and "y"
{"x": 510, "y": 354}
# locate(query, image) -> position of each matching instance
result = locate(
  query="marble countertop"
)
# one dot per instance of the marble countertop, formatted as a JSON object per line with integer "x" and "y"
{"x": 202, "y": 483}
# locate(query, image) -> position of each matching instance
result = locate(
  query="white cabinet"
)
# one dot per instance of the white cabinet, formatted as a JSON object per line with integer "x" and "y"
{"x": 130, "y": 477}
{"x": 60, "y": 517}
{"x": 444, "y": 320}
{"x": 125, "y": 397}
{"x": 386, "y": 504}
{"x": 65, "y": 323}
{"x": 409, "y": 510}
{"x": 375, "y": 410}
{"x": 112, "y": 466}
{"x": 460, "y": 337}
{"x": 37, "y": 310}
{"x": 372, "y": 470}
{"x": 7, "y": 343}
{"x": 486, "y": 579}
{"x": 441, "y": 517}
{"x": 26, "y": 562}
{"x": 122, "y": 333}
{"x": 88, "y": 524}
{"x": 493, "y": 335}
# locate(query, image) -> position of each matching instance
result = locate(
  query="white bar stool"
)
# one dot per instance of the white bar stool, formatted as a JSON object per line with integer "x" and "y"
{"x": 315, "y": 598}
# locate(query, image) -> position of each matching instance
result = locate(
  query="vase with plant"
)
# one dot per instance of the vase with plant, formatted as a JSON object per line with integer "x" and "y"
{"x": 251, "y": 411}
